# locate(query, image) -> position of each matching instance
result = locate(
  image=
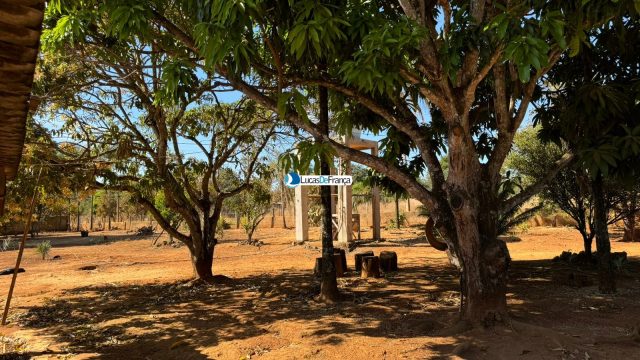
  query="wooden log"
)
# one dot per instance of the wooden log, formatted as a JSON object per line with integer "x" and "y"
{"x": 370, "y": 267}
{"x": 358, "y": 259}
{"x": 388, "y": 261}
{"x": 343, "y": 258}
{"x": 317, "y": 269}
{"x": 337, "y": 262}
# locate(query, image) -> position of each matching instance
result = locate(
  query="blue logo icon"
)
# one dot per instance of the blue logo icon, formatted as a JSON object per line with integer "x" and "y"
{"x": 292, "y": 180}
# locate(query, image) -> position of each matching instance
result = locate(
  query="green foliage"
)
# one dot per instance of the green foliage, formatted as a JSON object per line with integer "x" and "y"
{"x": 305, "y": 156}
{"x": 374, "y": 68}
{"x": 252, "y": 205}
{"x": 393, "y": 224}
{"x": 221, "y": 226}
{"x": 43, "y": 248}
{"x": 167, "y": 213}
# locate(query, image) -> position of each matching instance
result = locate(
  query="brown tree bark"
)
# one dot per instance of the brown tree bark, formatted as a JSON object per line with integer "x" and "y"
{"x": 201, "y": 250}
{"x": 329, "y": 283}
{"x": 606, "y": 276}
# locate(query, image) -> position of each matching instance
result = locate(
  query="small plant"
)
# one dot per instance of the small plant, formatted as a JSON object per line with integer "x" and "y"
{"x": 43, "y": 248}
{"x": 224, "y": 224}
{"x": 221, "y": 226}
{"x": 391, "y": 224}
{"x": 6, "y": 244}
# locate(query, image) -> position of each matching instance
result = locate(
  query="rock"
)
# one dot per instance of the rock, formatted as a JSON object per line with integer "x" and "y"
{"x": 88, "y": 267}
{"x": 561, "y": 220}
{"x": 57, "y": 257}
{"x": 572, "y": 278}
{"x": 509, "y": 238}
{"x": 9, "y": 271}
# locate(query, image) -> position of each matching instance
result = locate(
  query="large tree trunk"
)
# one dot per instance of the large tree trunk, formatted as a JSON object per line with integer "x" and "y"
{"x": 606, "y": 284}
{"x": 587, "y": 239}
{"x": 202, "y": 256}
{"x": 202, "y": 264}
{"x": 484, "y": 262}
{"x": 482, "y": 258}
{"x": 398, "y": 211}
{"x": 630, "y": 220}
{"x": 329, "y": 283}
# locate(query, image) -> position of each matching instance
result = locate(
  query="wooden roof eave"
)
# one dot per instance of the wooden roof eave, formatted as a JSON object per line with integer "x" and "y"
{"x": 20, "y": 29}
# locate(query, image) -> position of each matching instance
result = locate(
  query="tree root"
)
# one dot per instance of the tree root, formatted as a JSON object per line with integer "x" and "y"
{"x": 213, "y": 280}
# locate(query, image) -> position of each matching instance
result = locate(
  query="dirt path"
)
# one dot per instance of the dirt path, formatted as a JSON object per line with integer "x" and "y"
{"x": 133, "y": 306}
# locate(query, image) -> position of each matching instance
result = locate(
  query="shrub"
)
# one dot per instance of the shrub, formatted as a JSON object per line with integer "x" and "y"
{"x": 391, "y": 224}
{"x": 43, "y": 248}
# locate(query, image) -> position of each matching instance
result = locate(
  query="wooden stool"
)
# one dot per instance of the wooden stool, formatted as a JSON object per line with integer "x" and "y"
{"x": 358, "y": 259}
{"x": 370, "y": 267}
{"x": 388, "y": 261}
{"x": 337, "y": 262}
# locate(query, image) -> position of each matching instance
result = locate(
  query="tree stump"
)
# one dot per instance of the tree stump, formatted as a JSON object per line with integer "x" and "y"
{"x": 358, "y": 259}
{"x": 370, "y": 267}
{"x": 343, "y": 258}
{"x": 337, "y": 262}
{"x": 388, "y": 261}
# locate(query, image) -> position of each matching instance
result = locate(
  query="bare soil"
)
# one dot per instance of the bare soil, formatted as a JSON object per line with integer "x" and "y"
{"x": 134, "y": 301}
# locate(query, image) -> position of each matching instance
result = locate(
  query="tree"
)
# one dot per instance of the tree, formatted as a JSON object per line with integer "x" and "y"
{"x": 592, "y": 105}
{"x": 105, "y": 202}
{"x": 382, "y": 59}
{"x": 43, "y": 169}
{"x": 253, "y": 205}
{"x": 570, "y": 189}
{"x": 147, "y": 123}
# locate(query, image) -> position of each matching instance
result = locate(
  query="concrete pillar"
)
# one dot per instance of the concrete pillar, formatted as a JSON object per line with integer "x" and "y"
{"x": 375, "y": 205}
{"x": 345, "y": 210}
{"x": 302, "y": 214}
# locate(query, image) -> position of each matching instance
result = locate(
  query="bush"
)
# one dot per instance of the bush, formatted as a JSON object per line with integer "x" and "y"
{"x": 221, "y": 226}
{"x": 391, "y": 224}
{"x": 43, "y": 248}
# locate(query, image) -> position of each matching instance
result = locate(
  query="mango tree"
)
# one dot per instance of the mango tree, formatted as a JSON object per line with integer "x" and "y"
{"x": 149, "y": 123}
{"x": 451, "y": 79}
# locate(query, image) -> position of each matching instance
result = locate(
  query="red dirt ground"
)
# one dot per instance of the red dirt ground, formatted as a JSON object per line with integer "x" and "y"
{"x": 134, "y": 305}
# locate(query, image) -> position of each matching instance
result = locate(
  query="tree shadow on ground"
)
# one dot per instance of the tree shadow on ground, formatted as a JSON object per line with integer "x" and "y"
{"x": 170, "y": 321}
{"x": 71, "y": 241}
{"x": 174, "y": 320}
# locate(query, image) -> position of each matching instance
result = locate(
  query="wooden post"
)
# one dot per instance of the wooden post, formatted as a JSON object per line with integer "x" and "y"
{"x": 27, "y": 226}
